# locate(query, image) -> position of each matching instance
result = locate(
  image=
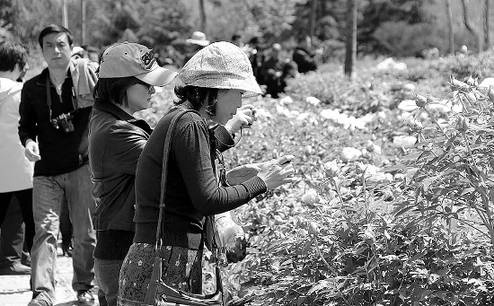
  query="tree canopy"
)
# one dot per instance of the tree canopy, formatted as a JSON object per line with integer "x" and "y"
{"x": 398, "y": 27}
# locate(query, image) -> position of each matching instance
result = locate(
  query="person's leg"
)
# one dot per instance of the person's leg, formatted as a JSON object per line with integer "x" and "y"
{"x": 107, "y": 272}
{"x": 66, "y": 230}
{"x": 5, "y": 200}
{"x": 11, "y": 237}
{"x": 25, "y": 199}
{"x": 81, "y": 203}
{"x": 47, "y": 198}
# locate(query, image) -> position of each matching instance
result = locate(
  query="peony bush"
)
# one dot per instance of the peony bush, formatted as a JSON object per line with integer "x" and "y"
{"x": 393, "y": 203}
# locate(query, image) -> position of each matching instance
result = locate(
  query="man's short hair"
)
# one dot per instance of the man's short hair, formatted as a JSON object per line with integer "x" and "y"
{"x": 11, "y": 54}
{"x": 54, "y": 28}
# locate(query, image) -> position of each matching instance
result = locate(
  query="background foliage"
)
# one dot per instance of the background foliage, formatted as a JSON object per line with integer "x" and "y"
{"x": 396, "y": 224}
{"x": 396, "y": 28}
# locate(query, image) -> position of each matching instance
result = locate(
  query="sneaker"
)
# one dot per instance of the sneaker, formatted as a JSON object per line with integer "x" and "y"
{"x": 16, "y": 269}
{"x": 85, "y": 297}
{"x": 37, "y": 301}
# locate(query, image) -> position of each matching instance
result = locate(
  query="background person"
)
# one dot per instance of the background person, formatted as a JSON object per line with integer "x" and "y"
{"x": 255, "y": 52}
{"x": 16, "y": 177}
{"x": 238, "y": 40}
{"x": 55, "y": 107}
{"x": 214, "y": 81}
{"x": 303, "y": 56}
{"x": 196, "y": 42}
{"x": 272, "y": 70}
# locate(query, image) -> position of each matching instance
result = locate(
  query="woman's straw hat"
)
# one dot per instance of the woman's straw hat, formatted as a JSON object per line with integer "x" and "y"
{"x": 220, "y": 65}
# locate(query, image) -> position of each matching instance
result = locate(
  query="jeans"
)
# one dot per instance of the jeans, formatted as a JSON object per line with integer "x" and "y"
{"x": 49, "y": 194}
{"x": 107, "y": 272}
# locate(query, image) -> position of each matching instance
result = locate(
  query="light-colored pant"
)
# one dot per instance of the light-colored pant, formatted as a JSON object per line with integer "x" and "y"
{"x": 107, "y": 272}
{"x": 48, "y": 194}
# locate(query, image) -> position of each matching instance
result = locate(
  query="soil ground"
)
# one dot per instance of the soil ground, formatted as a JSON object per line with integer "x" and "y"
{"x": 14, "y": 289}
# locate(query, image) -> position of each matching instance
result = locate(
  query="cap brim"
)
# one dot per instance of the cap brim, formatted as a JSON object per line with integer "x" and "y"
{"x": 158, "y": 77}
{"x": 202, "y": 43}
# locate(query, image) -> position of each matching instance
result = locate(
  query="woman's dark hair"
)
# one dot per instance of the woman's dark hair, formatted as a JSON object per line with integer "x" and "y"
{"x": 197, "y": 96}
{"x": 11, "y": 54}
{"x": 54, "y": 28}
{"x": 114, "y": 90}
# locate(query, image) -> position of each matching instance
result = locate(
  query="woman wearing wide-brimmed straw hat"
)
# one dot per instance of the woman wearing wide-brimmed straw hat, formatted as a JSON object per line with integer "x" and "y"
{"x": 214, "y": 82}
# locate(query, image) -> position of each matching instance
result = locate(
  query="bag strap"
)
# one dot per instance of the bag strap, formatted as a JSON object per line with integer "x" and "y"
{"x": 164, "y": 172}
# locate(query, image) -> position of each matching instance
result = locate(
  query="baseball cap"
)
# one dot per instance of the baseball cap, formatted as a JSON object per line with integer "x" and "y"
{"x": 131, "y": 59}
{"x": 220, "y": 65}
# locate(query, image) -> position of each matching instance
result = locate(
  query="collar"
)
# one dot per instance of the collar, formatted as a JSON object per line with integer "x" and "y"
{"x": 41, "y": 81}
{"x": 119, "y": 113}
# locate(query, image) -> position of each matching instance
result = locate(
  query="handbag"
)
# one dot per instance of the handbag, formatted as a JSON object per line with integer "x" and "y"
{"x": 159, "y": 293}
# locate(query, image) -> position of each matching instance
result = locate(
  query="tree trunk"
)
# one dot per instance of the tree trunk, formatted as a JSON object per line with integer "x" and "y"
{"x": 312, "y": 20}
{"x": 65, "y": 21}
{"x": 83, "y": 22}
{"x": 203, "y": 15}
{"x": 351, "y": 38}
{"x": 487, "y": 34}
{"x": 449, "y": 13}
{"x": 468, "y": 25}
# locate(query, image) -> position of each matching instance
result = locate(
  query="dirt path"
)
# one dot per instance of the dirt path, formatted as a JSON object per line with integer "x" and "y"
{"x": 14, "y": 289}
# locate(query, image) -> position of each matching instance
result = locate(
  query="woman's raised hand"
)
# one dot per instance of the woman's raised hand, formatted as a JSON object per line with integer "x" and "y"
{"x": 245, "y": 116}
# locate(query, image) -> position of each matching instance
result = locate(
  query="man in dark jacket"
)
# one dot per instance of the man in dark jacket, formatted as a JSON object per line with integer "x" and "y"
{"x": 54, "y": 115}
{"x": 303, "y": 57}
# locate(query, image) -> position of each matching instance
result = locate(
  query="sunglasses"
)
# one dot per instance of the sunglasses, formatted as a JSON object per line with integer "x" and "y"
{"x": 150, "y": 88}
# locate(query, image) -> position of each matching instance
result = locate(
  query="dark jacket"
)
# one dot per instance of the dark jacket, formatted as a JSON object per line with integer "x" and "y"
{"x": 60, "y": 152}
{"x": 304, "y": 59}
{"x": 116, "y": 140}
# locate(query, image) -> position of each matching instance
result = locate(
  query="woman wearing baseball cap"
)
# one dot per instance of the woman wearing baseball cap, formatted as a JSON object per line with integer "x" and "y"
{"x": 127, "y": 75}
{"x": 214, "y": 81}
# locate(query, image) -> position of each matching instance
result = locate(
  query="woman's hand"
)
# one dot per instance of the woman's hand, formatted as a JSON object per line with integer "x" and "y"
{"x": 242, "y": 173}
{"x": 245, "y": 116}
{"x": 277, "y": 172}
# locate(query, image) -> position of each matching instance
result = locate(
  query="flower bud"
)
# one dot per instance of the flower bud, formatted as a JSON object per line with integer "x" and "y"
{"x": 313, "y": 228}
{"x": 462, "y": 124}
{"x": 420, "y": 100}
{"x": 332, "y": 168}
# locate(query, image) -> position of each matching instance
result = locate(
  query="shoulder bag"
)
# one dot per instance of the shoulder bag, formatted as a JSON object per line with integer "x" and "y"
{"x": 158, "y": 292}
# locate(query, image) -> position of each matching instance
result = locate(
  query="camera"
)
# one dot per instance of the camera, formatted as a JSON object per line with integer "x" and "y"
{"x": 63, "y": 121}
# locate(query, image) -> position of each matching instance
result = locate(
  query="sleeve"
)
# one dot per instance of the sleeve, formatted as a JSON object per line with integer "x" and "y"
{"x": 269, "y": 68}
{"x": 87, "y": 81}
{"x": 310, "y": 61}
{"x": 27, "y": 121}
{"x": 222, "y": 138}
{"x": 192, "y": 151}
{"x": 127, "y": 145}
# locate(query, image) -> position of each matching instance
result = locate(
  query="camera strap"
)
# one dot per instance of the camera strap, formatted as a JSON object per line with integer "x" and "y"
{"x": 48, "y": 96}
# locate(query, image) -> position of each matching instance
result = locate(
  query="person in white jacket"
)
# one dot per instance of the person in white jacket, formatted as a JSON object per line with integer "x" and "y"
{"x": 16, "y": 171}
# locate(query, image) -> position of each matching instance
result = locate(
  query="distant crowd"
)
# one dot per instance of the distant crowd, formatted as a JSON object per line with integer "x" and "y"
{"x": 272, "y": 65}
